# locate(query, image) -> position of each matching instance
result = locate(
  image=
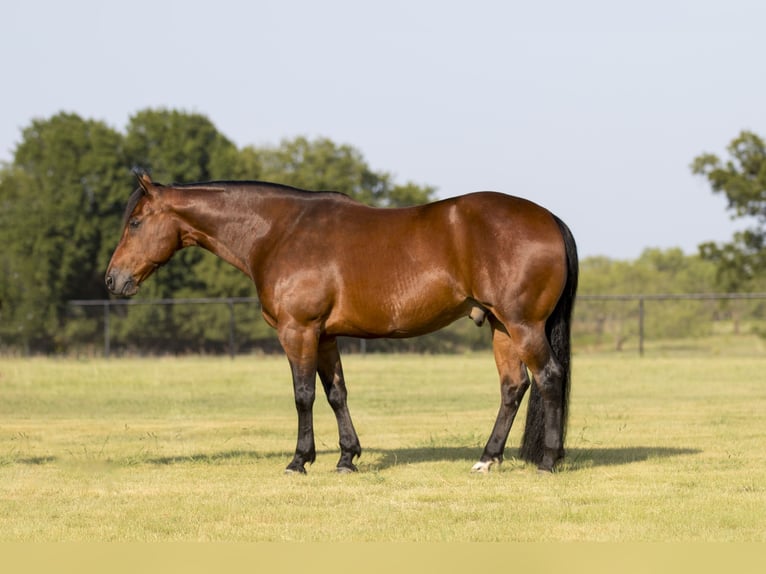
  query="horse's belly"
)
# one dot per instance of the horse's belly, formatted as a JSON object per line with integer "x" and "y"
{"x": 399, "y": 293}
{"x": 396, "y": 318}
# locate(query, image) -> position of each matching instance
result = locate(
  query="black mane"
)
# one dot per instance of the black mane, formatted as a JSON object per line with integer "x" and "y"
{"x": 245, "y": 183}
{"x": 222, "y": 185}
{"x": 253, "y": 183}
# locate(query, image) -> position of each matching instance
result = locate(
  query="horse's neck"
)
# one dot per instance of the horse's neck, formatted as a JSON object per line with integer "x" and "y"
{"x": 228, "y": 223}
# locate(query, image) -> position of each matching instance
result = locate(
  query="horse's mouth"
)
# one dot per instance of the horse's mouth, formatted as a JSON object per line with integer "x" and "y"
{"x": 129, "y": 289}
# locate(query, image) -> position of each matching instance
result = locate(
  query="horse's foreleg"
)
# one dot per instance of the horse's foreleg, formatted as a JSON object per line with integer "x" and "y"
{"x": 300, "y": 346}
{"x": 514, "y": 382}
{"x": 331, "y": 375}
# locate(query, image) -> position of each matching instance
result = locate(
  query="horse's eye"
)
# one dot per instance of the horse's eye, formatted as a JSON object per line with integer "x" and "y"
{"x": 134, "y": 223}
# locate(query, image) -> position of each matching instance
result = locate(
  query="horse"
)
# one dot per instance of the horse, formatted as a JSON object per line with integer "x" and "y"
{"x": 325, "y": 265}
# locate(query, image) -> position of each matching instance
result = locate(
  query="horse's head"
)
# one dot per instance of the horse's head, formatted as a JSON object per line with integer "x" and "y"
{"x": 151, "y": 235}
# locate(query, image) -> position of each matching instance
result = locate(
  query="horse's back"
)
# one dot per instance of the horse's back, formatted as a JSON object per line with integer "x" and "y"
{"x": 479, "y": 211}
{"x": 414, "y": 270}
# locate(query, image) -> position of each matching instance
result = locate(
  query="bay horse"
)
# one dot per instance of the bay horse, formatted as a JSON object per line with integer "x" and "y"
{"x": 326, "y": 266}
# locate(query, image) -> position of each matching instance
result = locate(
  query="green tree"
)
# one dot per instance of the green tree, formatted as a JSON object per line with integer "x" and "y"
{"x": 409, "y": 194}
{"x": 742, "y": 179}
{"x": 655, "y": 271}
{"x": 322, "y": 165}
{"x": 247, "y": 165}
{"x": 671, "y": 271}
{"x": 62, "y": 203}
{"x": 599, "y": 322}
{"x": 177, "y": 146}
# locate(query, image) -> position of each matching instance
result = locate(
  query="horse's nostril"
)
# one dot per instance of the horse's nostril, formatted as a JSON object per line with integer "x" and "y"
{"x": 109, "y": 281}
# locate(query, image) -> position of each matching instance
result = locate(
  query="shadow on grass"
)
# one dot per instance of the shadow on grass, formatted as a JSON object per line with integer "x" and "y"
{"x": 35, "y": 460}
{"x": 588, "y": 457}
{"x": 218, "y": 457}
{"x": 379, "y": 459}
{"x": 576, "y": 458}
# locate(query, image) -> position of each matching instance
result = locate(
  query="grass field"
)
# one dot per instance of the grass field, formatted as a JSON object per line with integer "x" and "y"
{"x": 193, "y": 449}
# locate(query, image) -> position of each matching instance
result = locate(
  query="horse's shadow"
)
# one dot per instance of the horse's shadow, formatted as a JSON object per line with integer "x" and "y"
{"x": 576, "y": 458}
{"x": 377, "y": 459}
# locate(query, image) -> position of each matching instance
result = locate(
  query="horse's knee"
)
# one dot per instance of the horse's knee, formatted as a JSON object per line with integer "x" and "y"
{"x": 305, "y": 394}
{"x": 336, "y": 396}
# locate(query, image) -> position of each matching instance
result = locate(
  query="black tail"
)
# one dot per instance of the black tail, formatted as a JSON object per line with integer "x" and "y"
{"x": 558, "y": 331}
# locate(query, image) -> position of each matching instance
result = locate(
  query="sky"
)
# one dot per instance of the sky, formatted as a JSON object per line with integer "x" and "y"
{"x": 594, "y": 109}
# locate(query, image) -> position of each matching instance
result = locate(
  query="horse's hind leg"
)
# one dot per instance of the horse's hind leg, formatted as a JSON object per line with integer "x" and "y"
{"x": 549, "y": 378}
{"x": 331, "y": 374}
{"x": 514, "y": 382}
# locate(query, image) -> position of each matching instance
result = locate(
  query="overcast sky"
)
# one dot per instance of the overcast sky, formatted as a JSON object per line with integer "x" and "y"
{"x": 594, "y": 109}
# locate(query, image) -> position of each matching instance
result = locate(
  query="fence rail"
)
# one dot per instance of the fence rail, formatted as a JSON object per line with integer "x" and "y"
{"x": 641, "y": 299}
{"x": 107, "y": 304}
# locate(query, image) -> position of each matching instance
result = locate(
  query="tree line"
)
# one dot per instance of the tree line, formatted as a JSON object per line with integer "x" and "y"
{"x": 62, "y": 199}
{"x": 61, "y": 206}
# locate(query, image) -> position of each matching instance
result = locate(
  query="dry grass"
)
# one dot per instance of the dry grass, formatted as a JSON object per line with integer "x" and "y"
{"x": 193, "y": 450}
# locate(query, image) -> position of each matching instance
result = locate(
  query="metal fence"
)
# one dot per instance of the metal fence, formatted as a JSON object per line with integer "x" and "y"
{"x": 642, "y": 299}
{"x": 108, "y": 304}
{"x": 591, "y": 310}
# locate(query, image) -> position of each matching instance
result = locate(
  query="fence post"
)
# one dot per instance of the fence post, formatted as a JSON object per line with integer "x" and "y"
{"x": 231, "y": 329}
{"x": 641, "y": 327}
{"x": 106, "y": 329}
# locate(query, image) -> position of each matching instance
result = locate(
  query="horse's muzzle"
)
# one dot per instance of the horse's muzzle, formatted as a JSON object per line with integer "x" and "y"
{"x": 120, "y": 283}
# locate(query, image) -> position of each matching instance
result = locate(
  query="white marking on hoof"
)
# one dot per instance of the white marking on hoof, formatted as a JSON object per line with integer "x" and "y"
{"x": 483, "y": 467}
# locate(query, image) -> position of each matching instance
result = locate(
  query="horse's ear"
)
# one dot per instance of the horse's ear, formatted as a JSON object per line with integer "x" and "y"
{"x": 145, "y": 181}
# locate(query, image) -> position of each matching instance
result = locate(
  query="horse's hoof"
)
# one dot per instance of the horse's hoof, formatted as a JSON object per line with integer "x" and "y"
{"x": 483, "y": 467}
{"x": 550, "y": 460}
{"x": 345, "y": 469}
{"x": 295, "y": 470}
